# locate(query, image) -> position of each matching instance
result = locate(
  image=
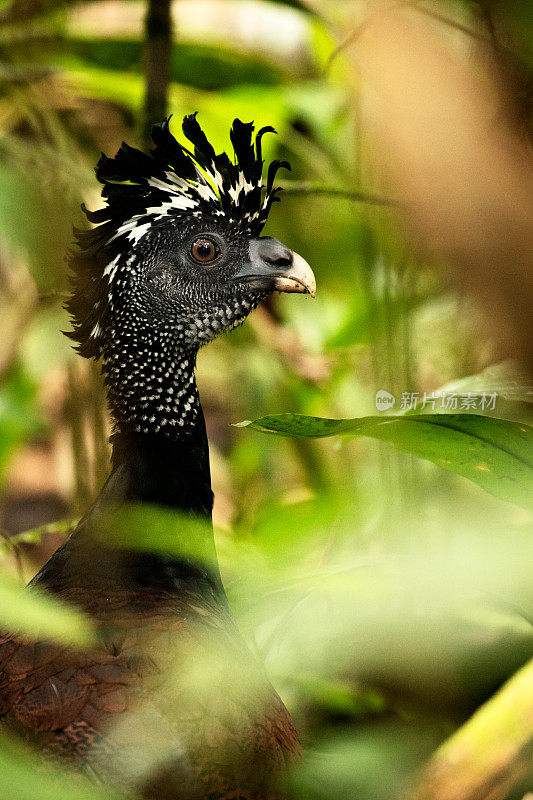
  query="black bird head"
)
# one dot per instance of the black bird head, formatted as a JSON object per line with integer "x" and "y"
{"x": 178, "y": 240}
{"x": 175, "y": 258}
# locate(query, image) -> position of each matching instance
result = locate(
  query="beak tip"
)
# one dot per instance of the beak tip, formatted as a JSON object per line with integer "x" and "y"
{"x": 299, "y": 278}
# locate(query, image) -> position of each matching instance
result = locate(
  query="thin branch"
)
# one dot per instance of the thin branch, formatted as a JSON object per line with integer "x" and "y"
{"x": 359, "y": 29}
{"x": 346, "y": 42}
{"x": 309, "y": 188}
{"x": 446, "y": 21}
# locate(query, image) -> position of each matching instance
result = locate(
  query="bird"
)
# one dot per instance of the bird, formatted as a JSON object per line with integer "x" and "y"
{"x": 170, "y": 701}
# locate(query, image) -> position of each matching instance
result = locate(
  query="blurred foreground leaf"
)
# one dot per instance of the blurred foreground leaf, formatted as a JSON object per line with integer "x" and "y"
{"x": 496, "y": 454}
{"x": 372, "y": 763}
{"x": 30, "y": 612}
{"x": 152, "y": 528}
{"x": 22, "y": 778}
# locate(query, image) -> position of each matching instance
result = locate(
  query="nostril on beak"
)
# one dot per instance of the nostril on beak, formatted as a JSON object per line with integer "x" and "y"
{"x": 275, "y": 253}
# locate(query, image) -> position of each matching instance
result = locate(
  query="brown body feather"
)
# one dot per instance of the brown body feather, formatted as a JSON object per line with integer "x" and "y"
{"x": 124, "y": 712}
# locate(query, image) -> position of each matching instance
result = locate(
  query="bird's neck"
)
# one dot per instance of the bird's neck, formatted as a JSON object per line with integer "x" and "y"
{"x": 160, "y": 440}
{"x": 160, "y": 458}
{"x": 167, "y": 471}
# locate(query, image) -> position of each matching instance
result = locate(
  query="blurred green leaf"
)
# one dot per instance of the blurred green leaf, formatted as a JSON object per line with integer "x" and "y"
{"x": 19, "y": 419}
{"x": 199, "y": 65}
{"x": 32, "y": 612}
{"x": 40, "y": 194}
{"x": 372, "y": 763}
{"x": 35, "y": 535}
{"x": 340, "y": 697}
{"x": 153, "y": 528}
{"x": 22, "y": 778}
{"x": 505, "y": 378}
{"x": 497, "y": 454}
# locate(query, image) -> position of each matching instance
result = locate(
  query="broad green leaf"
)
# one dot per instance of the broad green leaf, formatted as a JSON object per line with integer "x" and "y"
{"x": 497, "y": 454}
{"x": 39, "y": 615}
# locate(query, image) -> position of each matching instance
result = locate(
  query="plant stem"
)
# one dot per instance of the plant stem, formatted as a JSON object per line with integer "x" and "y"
{"x": 489, "y": 756}
{"x": 157, "y": 55}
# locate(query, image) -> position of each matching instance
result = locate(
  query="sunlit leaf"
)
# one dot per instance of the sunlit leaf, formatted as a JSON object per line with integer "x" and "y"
{"x": 497, "y": 454}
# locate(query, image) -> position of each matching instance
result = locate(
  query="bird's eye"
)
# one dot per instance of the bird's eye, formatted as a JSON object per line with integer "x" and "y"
{"x": 203, "y": 250}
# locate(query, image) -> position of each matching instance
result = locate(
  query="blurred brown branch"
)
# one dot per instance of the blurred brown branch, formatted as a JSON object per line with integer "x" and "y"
{"x": 22, "y": 10}
{"x": 20, "y": 300}
{"x": 310, "y": 366}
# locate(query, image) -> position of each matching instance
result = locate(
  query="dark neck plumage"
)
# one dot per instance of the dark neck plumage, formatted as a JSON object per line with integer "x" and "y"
{"x": 160, "y": 458}
{"x": 171, "y": 471}
{"x": 160, "y": 440}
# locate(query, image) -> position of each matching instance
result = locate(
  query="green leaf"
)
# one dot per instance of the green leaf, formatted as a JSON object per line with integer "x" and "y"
{"x": 39, "y": 615}
{"x": 341, "y": 696}
{"x": 496, "y": 454}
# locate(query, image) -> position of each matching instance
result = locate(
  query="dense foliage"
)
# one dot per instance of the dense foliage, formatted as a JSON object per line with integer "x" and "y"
{"x": 387, "y": 588}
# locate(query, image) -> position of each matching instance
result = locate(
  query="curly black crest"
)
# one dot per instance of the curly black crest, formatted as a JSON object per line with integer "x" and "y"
{"x": 143, "y": 190}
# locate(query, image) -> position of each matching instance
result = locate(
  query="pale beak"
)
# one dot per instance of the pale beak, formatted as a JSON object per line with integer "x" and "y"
{"x": 298, "y": 278}
{"x": 274, "y": 267}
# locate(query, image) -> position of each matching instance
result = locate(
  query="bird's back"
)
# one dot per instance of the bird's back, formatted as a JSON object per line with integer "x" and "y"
{"x": 169, "y": 703}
